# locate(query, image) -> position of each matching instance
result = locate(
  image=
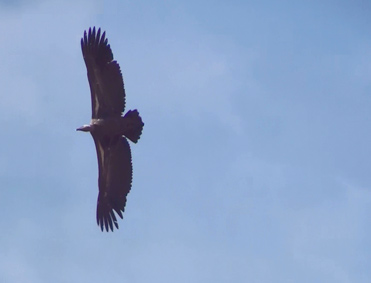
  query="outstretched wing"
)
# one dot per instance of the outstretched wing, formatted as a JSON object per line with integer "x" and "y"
{"x": 105, "y": 78}
{"x": 115, "y": 176}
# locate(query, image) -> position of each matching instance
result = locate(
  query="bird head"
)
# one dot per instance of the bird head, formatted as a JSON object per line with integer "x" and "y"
{"x": 85, "y": 128}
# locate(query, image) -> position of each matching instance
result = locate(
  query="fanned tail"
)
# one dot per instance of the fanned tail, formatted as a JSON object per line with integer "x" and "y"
{"x": 133, "y": 125}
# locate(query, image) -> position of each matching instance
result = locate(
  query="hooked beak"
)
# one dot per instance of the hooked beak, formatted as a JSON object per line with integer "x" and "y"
{"x": 85, "y": 128}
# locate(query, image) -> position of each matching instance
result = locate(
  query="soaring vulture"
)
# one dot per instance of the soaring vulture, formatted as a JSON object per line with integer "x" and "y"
{"x": 109, "y": 128}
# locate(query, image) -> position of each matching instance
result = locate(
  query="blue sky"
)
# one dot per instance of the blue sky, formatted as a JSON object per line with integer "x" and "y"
{"x": 254, "y": 163}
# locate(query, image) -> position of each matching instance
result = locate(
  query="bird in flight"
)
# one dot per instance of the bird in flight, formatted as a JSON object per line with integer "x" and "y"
{"x": 109, "y": 128}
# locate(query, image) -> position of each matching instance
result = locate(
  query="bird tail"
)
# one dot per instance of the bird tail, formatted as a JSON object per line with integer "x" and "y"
{"x": 133, "y": 125}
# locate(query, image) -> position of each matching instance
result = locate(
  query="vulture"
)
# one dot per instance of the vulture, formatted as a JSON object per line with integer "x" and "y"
{"x": 109, "y": 128}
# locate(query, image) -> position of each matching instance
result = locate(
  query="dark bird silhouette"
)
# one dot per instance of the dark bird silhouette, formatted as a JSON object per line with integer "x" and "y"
{"x": 109, "y": 128}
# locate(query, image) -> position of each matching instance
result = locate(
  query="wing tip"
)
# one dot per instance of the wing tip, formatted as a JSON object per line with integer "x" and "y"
{"x": 106, "y": 218}
{"x": 96, "y": 43}
{"x": 93, "y": 36}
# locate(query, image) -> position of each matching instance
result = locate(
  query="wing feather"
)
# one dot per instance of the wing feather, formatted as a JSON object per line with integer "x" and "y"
{"x": 115, "y": 178}
{"x": 104, "y": 75}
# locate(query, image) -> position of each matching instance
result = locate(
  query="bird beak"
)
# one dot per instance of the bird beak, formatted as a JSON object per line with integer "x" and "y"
{"x": 85, "y": 128}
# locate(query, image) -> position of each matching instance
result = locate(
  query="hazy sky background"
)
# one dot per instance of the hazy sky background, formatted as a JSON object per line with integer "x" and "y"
{"x": 254, "y": 163}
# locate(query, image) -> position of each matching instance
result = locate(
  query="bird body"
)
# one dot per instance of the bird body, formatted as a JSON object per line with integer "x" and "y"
{"x": 125, "y": 126}
{"x": 109, "y": 128}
